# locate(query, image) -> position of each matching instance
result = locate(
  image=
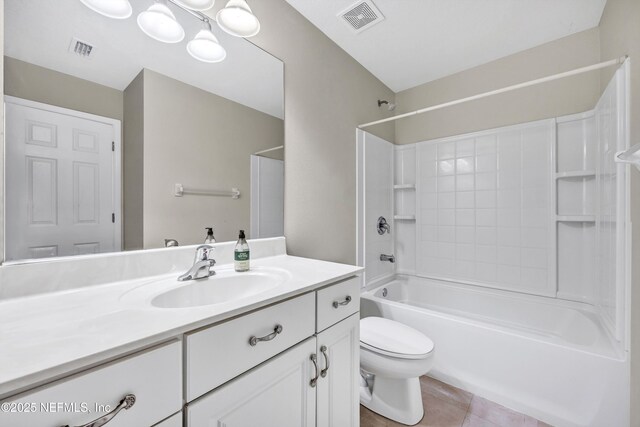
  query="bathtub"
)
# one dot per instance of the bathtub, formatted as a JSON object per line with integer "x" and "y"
{"x": 547, "y": 358}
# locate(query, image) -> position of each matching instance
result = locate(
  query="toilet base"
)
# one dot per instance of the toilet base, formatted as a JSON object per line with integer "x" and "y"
{"x": 399, "y": 400}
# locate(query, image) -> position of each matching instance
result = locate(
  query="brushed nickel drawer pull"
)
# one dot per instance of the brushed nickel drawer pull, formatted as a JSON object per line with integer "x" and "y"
{"x": 127, "y": 402}
{"x": 323, "y": 373}
{"x": 253, "y": 341}
{"x": 314, "y": 380}
{"x": 346, "y": 301}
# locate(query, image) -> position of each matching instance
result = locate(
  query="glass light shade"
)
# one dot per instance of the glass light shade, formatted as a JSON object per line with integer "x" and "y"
{"x": 199, "y": 5}
{"x": 205, "y": 47}
{"x": 238, "y": 20}
{"x": 159, "y": 23}
{"x": 116, "y": 9}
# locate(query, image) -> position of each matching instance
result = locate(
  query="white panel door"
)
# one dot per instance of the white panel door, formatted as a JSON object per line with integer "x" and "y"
{"x": 275, "y": 394}
{"x": 338, "y": 390}
{"x": 60, "y": 183}
{"x": 267, "y": 197}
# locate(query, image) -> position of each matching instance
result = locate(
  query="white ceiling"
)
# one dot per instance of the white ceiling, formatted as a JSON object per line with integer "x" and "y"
{"x": 423, "y": 40}
{"x": 40, "y": 32}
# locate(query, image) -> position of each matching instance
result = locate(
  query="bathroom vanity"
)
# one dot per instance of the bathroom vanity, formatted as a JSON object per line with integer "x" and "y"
{"x": 277, "y": 346}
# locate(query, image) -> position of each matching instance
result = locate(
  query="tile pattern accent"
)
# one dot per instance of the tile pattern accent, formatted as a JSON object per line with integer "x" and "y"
{"x": 448, "y": 406}
{"x": 484, "y": 208}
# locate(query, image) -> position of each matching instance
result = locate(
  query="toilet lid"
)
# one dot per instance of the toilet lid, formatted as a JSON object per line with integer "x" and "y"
{"x": 393, "y": 338}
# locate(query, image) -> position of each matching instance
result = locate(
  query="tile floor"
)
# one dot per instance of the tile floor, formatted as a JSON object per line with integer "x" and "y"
{"x": 447, "y": 406}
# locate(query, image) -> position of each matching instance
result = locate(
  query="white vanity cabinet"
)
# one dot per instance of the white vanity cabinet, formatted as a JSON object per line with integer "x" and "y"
{"x": 294, "y": 363}
{"x": 313, "y": 383}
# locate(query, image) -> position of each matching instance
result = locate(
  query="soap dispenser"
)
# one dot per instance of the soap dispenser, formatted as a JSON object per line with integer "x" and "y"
{"x": 241, "y": 253}
{"x": 209, "y": 240}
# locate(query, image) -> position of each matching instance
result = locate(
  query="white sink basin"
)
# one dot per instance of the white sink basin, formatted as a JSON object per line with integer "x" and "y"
{"x": 225, "y": 287}
{"x": 217, "y": 289}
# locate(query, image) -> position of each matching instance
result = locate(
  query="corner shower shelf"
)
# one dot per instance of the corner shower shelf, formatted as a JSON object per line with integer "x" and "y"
{"x": 404, "y": 217}
{"x": 576, "y": 218}
{"x": 404, "y": 187}
{"x": 576, "y": 174}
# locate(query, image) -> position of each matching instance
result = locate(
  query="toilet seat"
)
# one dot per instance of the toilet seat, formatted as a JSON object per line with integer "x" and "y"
{"x": 393, "y": 339}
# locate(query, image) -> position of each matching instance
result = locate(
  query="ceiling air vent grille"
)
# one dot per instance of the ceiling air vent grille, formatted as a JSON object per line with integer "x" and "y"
{"x": 361, "y": 16}
{"x": 80, "y": 48}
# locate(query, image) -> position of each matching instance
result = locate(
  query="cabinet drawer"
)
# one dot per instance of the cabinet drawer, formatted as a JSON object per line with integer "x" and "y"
{"x": 334, "y": 304}
{"x": 222, "y": 352}
{"x": 153, "y": 377}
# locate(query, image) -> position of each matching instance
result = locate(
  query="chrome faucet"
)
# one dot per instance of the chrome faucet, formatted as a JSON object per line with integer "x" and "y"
{"x": 389, "y": 258}
{"x": 201, "y": 265}
{"x": 169, "y": 243}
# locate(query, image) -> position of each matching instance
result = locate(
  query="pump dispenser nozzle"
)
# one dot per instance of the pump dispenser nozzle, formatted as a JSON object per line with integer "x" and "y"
{"x": 209, "y": 238}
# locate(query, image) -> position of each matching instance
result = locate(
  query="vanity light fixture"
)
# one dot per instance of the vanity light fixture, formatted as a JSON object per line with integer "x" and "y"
{"x": 159, "y": 23}
{"x": 116, "y": 9}
{"x": 237, "y": 19}
{"x": 205, "y": 46}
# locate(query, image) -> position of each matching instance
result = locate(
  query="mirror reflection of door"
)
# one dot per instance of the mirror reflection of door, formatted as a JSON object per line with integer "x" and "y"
{"x": 62, "y": 184}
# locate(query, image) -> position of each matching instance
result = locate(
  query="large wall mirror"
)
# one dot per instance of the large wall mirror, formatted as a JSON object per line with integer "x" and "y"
{"x": 116, "y": 141}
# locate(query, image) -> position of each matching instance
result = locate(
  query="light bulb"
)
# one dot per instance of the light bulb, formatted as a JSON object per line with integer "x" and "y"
{"x": 116, "y": 9}
{"x": 206, "y": 48}
{"x": 159, "y": 23}
{"x": 237, "y": 19}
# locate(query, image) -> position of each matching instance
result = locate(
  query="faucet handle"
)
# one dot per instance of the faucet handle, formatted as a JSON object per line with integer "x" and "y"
{"x": 202, "y": 252}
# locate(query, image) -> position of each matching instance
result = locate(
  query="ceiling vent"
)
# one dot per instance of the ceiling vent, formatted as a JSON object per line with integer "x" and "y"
{"x": 361, "y": 16}
{"x": 80, "y": 48}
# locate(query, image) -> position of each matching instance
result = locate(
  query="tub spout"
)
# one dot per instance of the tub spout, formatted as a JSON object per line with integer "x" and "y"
{"x": 389, "y": 258}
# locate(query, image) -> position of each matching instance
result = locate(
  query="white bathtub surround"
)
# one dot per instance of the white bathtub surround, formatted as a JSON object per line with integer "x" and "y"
{"x": 46, "y": 336}
{"x": 392, "y": 358}
{"x": 536, "y": 216}
{"x": 548, "y": 359}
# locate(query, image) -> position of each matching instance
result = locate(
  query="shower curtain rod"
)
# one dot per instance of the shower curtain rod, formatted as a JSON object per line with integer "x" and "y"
{"x": 582, "y": 70}
{"x": 279, "y": 147}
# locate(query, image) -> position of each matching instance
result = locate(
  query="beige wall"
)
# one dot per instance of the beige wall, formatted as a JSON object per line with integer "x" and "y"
{"x": 204, "y": 141}
{"x": 553, "y": 99}
{"x": 327, "y": 94}
{"x": 133, "y": 157}
{"x": 28, "y": 81}
{"x": 620, "y": 35}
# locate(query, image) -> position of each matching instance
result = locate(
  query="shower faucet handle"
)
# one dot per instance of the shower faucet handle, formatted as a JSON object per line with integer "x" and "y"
{"x": 383, "y": 226}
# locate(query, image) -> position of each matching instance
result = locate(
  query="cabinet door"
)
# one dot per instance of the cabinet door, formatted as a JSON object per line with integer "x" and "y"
{"x": 275, "y": 394}
{"x": 339, "y": 358}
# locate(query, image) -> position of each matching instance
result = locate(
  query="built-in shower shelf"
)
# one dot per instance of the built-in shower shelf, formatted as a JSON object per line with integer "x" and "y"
{"x": 404, "y": 187}
{"x": 576, "y": 174}
{"x": 576, "y": 218}
{"x": 404, "y": 217}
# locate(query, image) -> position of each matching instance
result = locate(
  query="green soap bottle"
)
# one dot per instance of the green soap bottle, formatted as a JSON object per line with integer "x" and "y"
{"x": 241, "y": 254}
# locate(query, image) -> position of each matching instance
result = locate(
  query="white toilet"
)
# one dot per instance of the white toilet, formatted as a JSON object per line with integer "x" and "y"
{"x": 392, "y": 358}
